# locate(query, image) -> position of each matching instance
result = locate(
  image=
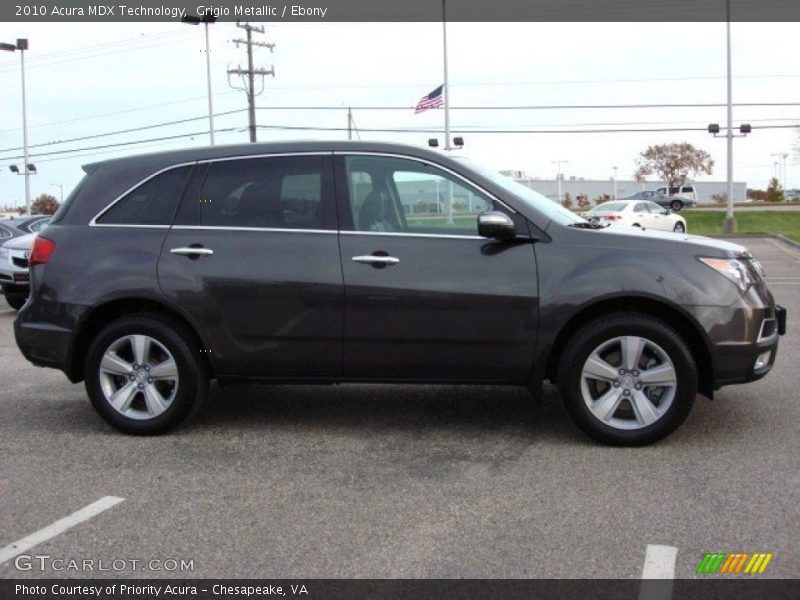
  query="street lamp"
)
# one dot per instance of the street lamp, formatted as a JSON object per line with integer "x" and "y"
{"x": 60, "y": 186}
{"x": 615, "y": 182}
{"x": 22, "y": 45}
{"x": 558, "y": 177}
{"x": 206, "y": 20}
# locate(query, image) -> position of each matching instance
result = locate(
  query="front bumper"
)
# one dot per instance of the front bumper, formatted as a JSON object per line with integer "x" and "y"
{"x": 14, "y": 273}
{"x": 743, "y": 362}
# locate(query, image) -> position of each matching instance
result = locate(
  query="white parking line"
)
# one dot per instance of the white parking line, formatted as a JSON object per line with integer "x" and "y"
{"x": 659, "y": 564}
{"x": 59, "y": 527}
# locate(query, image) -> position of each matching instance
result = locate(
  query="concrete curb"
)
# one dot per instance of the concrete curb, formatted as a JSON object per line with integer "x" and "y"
{"x": 774, "y": 236}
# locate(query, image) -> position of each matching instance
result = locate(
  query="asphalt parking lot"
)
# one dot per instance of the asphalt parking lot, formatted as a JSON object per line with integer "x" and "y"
{"x": 390, "y": 481}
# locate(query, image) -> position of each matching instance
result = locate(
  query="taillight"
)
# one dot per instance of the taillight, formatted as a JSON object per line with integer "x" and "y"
{"x": 613, "y": 218}
{"x": 42, "y": 251}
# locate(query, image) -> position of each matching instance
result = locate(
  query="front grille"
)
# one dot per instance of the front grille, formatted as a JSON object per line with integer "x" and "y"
{"x": 22, "y": 263}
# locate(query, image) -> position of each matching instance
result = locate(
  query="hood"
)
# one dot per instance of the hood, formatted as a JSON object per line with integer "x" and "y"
{"x": 23, "y": 242}
{"x": 652, "y": 239}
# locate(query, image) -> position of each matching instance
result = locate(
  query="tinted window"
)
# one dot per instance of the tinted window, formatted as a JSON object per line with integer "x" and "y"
{"x": 4, "y": 233}
{"x": 393, "y": 194}
{"x": 152, "y": 203}
{"x": 279, "y": 193}
{"x": 687, "y": 189}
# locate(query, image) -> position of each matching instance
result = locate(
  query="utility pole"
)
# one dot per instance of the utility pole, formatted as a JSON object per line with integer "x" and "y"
{"x": 251, "y": 72}
{"x": 615, "y": 182}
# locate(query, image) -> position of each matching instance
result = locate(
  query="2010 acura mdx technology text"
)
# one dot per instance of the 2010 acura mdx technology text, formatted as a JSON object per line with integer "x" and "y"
{"x": 366, "y": 262}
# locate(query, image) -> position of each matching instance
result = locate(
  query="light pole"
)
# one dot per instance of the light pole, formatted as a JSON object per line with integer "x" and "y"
{"x": 22, "y": 45}
{"x": 60, "y": 186}
{"x": 730, "y": 220}
{"x": 558, "y": 164}
{"x": 206, "y": 20}
{"x": 615, "y": 182}
{"x": 780, "y": 171}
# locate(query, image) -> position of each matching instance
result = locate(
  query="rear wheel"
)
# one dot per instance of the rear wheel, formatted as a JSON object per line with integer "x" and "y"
{"x": 676, "y": 205}
{"x": 679, "y": 228}
{"x": 144, "y": 375}
{"x": 16, "y": 300}
{"x": 628, "y": 379}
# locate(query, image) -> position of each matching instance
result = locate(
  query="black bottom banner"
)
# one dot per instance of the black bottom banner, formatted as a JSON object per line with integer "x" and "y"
{"x": 388, "y": 589}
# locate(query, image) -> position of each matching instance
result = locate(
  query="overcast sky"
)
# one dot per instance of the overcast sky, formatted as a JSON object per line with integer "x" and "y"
{"x": 87, "y": 79}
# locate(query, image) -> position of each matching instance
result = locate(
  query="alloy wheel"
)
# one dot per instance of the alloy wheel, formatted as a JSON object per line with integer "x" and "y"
{"x": 138, "y": 376}
{"x": 628, "y": 382}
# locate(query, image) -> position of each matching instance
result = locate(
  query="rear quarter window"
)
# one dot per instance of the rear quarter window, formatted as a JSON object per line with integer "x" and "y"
{"x": 152, "y": 203}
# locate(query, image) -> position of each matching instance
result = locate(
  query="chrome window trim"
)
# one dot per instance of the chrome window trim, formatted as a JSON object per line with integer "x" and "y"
{"x": 94, "y": 223}
{"x": 272, "y": 229}
{"x": 419, "y": 235}
{"x": 426, "y": 162}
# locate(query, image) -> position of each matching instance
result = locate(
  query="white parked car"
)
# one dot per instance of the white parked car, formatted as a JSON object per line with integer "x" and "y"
{"x": 637, "y": 213}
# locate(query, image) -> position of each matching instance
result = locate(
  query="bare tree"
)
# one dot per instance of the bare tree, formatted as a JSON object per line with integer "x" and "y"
{"x": 673, "y": 163}
{"x": 45, "y": 204}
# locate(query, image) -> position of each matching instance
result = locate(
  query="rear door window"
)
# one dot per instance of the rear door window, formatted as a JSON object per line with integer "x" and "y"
{"x": 285, "y": 192}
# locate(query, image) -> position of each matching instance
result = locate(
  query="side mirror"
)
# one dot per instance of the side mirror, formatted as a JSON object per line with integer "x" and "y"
{"x": 666, "y": 211}
{"x": 496, "y": 225}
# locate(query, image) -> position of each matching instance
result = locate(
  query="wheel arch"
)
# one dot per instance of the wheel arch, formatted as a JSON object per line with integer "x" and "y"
{"x": 103, "y": 314}
{"x": 673, "y": 315}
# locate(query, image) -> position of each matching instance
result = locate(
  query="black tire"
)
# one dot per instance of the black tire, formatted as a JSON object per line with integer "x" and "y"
{"x": 16, "y": 300}
{"x": 606, "y": 328}
{"x": 192, "y": 386}
{"x": 679, "y": 228}
{"x": 676, "y": 205}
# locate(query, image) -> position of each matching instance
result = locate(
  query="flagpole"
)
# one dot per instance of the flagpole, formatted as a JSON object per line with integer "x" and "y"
{"x": 446, "y": 89}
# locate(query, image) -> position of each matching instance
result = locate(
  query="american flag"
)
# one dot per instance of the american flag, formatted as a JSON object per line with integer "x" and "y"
{"x": 433, "y": 100}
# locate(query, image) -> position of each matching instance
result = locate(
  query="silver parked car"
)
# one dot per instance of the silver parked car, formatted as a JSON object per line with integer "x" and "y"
{"x": 14, "y": 273}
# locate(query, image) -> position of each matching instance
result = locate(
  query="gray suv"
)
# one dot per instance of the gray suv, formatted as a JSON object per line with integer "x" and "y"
{"x": 316, "y": 262}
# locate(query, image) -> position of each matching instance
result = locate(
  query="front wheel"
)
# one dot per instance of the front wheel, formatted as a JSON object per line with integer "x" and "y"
{"x": 679, "y": 228}
{"x": 16, "y": 300}
{"x": 628, "y": 379}
{"x": 144, "y": 375}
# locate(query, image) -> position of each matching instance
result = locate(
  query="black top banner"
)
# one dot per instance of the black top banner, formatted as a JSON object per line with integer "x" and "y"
{"x": 677, "y": 11}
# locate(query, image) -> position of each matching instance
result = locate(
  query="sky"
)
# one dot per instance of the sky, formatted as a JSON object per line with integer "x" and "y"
{"x": 87, "y": 79}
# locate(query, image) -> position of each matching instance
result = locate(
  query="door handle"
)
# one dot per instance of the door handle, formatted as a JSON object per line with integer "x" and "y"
{"x": 193, "y": 252}
{"x": 370, "y": 259}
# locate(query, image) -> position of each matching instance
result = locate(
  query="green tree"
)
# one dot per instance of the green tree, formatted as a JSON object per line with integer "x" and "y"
{"x": 775, "y": 191}
{"x": 45, "y": 204}
{"x": 673, "y": 163}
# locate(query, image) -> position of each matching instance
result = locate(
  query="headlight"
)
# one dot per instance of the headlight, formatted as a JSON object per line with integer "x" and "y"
{"x": 3, "y": 253}
{"x": 734, "y": 269}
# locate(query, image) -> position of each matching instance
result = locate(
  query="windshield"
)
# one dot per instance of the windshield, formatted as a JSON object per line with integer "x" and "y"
{"x": 608, "y": 207}
{"x": 543, "y": 204}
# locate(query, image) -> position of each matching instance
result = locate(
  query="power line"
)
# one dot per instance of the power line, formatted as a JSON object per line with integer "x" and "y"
{"x": 539, "y": 106}
{"x": 120, "y": 131}
{"x": 385, "y": 130}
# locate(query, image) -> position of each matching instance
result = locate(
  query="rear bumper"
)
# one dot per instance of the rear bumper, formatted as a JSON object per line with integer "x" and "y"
{"x": 45, "y": 344}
